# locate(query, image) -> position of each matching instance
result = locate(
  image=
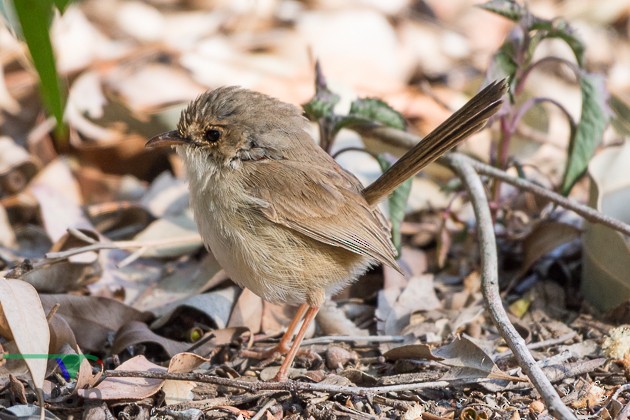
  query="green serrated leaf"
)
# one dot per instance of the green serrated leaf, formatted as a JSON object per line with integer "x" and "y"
{"x": 561, "y": 29}
{"x": 620, "y": 115}
{"x": 507, "y": 8}
{"x": 376, "y": 110}
{"x": 35, "y": 17}
{"x": 397, "y": 202}
{"x": 61, "y": 4}
{"x": 589, "y": 130}
{"x": 349, "y": 121}
{"x": 504, "y": 62}
{"x": 322, "y": 105}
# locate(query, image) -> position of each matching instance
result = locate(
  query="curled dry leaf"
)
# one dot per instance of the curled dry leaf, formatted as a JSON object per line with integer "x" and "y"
{"x": 59, "y": 199}
{"x": 276, "y": 317}
{"x": 546, "y": 236}
{"x": 395, "y": 308}
{"x": 333, "y": 321}
{"x": 171, "y": 236}
{"x": 136, "y": 332}
{"x": 60, "y": 334}
{"x": 467, "y": 359}
{"x": 71, "y": 274}
{"x": 183, "y": 283}
{"x": 119, "y": 219}
{"x": 180, "y": 391}
{"x": 216, "y": 306}
{"x": 92, "y": 319}
{"x": 247, "y": 312}
{"x": 130, "y": 389}
{"x": 24, "y": 321}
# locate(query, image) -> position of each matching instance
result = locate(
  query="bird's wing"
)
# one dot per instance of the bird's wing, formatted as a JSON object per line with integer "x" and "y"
{"x": 323, "y": 203}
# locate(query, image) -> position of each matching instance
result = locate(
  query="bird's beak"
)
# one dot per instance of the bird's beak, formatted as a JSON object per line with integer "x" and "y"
{"x": 170, "y": 138}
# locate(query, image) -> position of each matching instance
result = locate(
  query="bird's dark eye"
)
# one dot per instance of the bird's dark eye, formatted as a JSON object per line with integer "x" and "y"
{"x": 212, "y": 135}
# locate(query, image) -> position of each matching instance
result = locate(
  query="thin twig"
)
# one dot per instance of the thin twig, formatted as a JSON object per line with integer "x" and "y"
{"x": 253, "y": 387}
{"x": 354, "y": 338}
{"x": 538, "y": 345}
{"x": 193, "y": 238}
{"x": 292, "y": 386}
{"x": 264, "y": 409}
{"x": 585, "y": 211}
{"x": 490, "y": 287}
{"x": 404, "y": 139}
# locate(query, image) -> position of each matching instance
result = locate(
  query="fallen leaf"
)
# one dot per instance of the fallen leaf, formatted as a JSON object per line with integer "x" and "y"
{"x": 24, "y": 321}
{"x": 216, "y": 306}
{"x": 247, "y": 312}
{"x": 180, "y": 391}
{"x": 92, "y": 319}
{"x": 546, "y": 236}
{"x": 170, "y": 236}
{"x": 606, "y": 252}
{"x": 394, "y": 309}
{"x": 127, "y": 388}
{"x": 136, "y": 332}
{"x": 59, "y": 199}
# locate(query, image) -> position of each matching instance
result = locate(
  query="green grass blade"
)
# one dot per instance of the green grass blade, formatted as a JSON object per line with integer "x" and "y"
{"x": 35, "y": 17}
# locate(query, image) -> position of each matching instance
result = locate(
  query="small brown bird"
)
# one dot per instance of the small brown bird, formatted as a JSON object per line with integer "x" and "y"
{"x": 279, "y": 214}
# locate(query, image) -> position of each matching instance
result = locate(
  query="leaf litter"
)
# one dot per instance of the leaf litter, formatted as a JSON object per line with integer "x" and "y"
{"x": 148, "y": 298}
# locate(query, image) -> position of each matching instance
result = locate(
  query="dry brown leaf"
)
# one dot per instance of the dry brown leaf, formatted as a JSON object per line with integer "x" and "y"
{"x": 180, "y": 391}
{"x": 247, "y": 312}
{"x": 60, "y": 334}
{"x": 216, "y": 306}
{"x": 136, "y": 332}
{"x": 606, "y": 251}
{"x": 181, "y": 232}
{"x": 395, "y": 307}
{"x": 466, "y": 358}
{"x": 333, "y": 321}
{"x": 411, "y": 351}
{"x": 24, "y": 318}
{"x": 59, "y": 199}
{"x": 132, "y": 389}
{"x": 187, "y": 281}
{"x": 544, "y": 238}
{"x": 92, "y": 318}
{"x": 101, "y": 187}
{"x": 118, "y": 219}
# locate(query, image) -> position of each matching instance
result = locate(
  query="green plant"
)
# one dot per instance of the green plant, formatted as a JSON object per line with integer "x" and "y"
{"x": 33, "y": 22}
{"x": 363, "y": 112}
{"x": 515, "y": 60}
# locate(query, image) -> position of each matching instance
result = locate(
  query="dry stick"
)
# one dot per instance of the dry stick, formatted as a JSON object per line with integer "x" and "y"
{"x": 404, "y": 139}
{"x": 538, "y": 345}
{"x": 327, "y": 339}
{"x": 294, "y": 386}
{"x": 586, "y": 212}
{"x": 61, "y": 255}
{"x": 264, "y": 409}
{"x": 490, "y": 287}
